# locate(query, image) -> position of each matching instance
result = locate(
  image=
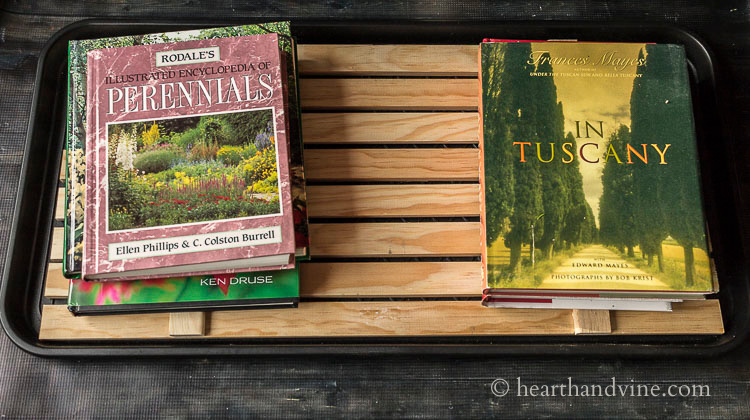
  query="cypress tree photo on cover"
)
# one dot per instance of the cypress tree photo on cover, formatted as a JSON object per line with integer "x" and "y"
{"x": 591, "y": 177}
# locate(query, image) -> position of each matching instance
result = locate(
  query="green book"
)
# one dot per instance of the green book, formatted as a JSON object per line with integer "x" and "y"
{"x": 590, "y": 176}
{"x": 258, "y": 289}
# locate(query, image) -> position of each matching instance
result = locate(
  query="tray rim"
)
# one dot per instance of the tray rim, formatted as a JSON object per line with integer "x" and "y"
{"x": 633, "y": 345}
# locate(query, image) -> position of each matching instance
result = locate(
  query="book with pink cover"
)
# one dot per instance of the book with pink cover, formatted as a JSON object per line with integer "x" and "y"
{"x": 188, "y": 160}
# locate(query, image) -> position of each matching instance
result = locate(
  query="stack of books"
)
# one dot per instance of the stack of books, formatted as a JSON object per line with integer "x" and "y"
{"x": 591, "y": 191}
{"x": 184, "y": 184}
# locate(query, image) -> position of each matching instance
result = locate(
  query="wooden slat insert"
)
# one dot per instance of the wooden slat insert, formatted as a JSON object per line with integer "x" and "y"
{"x": 187, "y": 324}
{"x": 392, "y": 279}
{"x": 394, "y": 239}
{"x": 433, "y": 200}
{"x": 689, "y": 317}
{"x": 591, "y": 322}
{"x": 62, "y": 166}
{"x": 390, "y": 128}
{"x": 56, "y": 285}
{"x": 388, "y": 60}
{"x": 335, "y": 280}
{"x": 380, "y": 319}
{"x": 392, "y": 164}
{"x": 389, "y": 94}
{"x": 56, "y": 251}
{"x": 60, "y": 204}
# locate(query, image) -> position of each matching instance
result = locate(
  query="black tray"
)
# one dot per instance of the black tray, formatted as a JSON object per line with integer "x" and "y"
{"x": 28, "y": 251}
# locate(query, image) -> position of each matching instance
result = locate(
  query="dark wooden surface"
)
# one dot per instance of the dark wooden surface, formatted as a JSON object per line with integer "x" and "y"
{"x": 358, "y": 387}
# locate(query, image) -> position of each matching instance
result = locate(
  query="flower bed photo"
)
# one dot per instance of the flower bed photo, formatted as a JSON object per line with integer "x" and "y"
{"x": 192, "y": 169}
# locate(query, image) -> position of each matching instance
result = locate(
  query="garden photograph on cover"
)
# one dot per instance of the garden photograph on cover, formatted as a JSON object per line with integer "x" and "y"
{"x": 591, "y": 175}
{"x": 192, "y": 169}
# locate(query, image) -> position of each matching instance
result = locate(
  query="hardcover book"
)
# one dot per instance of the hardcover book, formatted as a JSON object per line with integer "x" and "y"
{"x": 259, "y": 289}
{"x": 215, "y": 196}
{"x": 590, "y": 177}
{"x": 76, "y": 121}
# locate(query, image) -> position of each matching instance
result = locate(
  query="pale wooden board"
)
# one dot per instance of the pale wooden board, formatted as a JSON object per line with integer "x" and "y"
{"x": 380, "y": 319}
{"x": 334, "y": 280}
{"x": 56, "y": 251}
{"x": 391, "y": 279}
{"x": 62, "y": 165}
{"x": 56, "y": 285}
{"x": 60, "y": 204}
{"x": 685, "y": 318}
{"x": 387, "y": 60}
{"x": 392, "y": 164}
{"x": 394, "y": 239}
{"x": 390, "y": 127}
{"x": 432, "y": 200}
{"x": 389, "y": 94}
{"x": 591, "y": 322}
{"x": 187, "y": 324}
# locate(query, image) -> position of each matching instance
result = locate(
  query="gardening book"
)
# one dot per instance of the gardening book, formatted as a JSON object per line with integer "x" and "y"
{"x": 590, "y": 176}
{"x": 259, "y": 289}
{"x": 215, "y": 197}
{"x": 76, "y": 121}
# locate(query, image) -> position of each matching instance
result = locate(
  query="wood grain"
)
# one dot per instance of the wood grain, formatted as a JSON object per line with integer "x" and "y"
{"x": 391, "y": 279}
{"x": 380, "y": 319}
{"x": 390, "y": 127}
{"x": 60, "y": 204}
{"x": 589, "y": 322}
{"x": 62, "y": 166}
{"x": 389, "y": 94}
{"x": 56, "y": 285}
{"x": 336, "y": 280}
{"x": 433, "y": 200}
{"x": 56, "y": 247}
{"x": 387, "y": 60}
{"x": 394, "y": 239}
{"x": 392, "y": 164}
{"x": 187, "y": 324}
{"x": 686, "y": 318}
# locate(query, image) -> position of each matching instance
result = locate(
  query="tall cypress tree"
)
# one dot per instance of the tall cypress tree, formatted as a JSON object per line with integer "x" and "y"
{"x": 549, "y": 125}
{"x": 498, "y": 148}
{"x": 518, "y": 101}
{"x": 665, "y": 96}
{"x": 576, "y": 216}
{"x": 618, "y": 202}
{"x": 648, "y": 178}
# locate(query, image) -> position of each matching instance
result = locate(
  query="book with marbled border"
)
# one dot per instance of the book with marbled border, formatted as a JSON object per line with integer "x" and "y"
{"x": 187, "y": 159}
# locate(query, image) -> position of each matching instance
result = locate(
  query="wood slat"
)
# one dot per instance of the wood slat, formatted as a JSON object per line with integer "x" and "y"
{"x": 380, "y": 319}
{"x": 391, "y": 279}
{"x": 389, "y": 94}
{"x": 432, "y": 200}
{"x": 394, "y": 239}
{"x": 60, "y": 204}
{"x": 62, "y": 166}
{"x": 336, "y": 280}
{"x": 187, "y": 324}
{"x": 388, "y": 60}
{"x": 591, "y": 322}
{"x": 56, "y": 248}
{"x": 55, "y": 285}
{"x": 392, "y": 164}
{"x": 390, "y": 128}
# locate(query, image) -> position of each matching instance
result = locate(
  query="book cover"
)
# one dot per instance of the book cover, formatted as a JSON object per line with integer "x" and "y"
{"x": 259, "y": 289}
{"x": 76, "y": 122}
{"x": 590, "y": 176}
{"x": 215, "y": 197}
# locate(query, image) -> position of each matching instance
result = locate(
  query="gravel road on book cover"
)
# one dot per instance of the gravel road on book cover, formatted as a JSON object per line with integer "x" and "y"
{"x": 590, "y": 168}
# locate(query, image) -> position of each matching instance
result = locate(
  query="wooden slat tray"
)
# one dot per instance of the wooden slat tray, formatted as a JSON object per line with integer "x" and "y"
{"x": 430, "y": 122}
